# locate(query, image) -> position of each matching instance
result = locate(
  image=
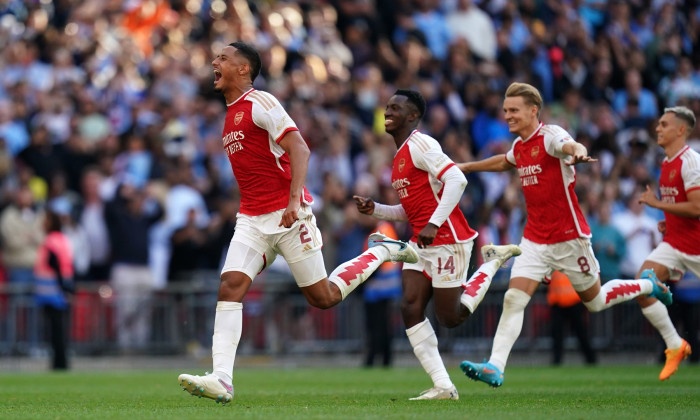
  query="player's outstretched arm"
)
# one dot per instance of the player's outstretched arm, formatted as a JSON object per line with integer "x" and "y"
{"x": 497, "y": 163}
{"x": 578, "y": 151}
{"x": 690, "y": 208}
{"x": 364, "y": 205}
{"x": 380, "y": 211}
{"x": 298, "y": 153}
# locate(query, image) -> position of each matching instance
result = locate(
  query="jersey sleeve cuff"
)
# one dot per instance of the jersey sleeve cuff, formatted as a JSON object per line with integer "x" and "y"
{"x": 289, "y": 129}
{"x": 445, "y": 170}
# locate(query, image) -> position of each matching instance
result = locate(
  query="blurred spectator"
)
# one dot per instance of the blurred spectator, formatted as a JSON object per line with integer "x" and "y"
{"x": 129, "y": 218}
{"x": 53, "y": 271}
{"x": 13, "y": 132}
{"x": 74, "y": 233}
{"x": 640, "y": 233}
{"x": 608, "y": 244}
{"x": 566, "y": 306}
{"x": 21, "y": 233}
{"x": 468, "y": 21}
{"x": 92, "y": 221}
{"x": 428, "y": 19}
{"x": 643, "y": 100}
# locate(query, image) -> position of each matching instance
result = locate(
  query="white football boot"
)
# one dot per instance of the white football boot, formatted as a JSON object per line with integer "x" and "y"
{"x": 499, "y": 252}
{"x": 209, "y": 386}
{"x": 436, "y": 393}
{"x": 400, "y": 250}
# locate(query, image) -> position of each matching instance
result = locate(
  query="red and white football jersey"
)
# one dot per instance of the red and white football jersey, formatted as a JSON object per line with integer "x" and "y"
{"x": 255, "y": 123}
{"x": 553, "y": 212}
{"x": 418, "y": 165}
{"x": 679, "y": 176}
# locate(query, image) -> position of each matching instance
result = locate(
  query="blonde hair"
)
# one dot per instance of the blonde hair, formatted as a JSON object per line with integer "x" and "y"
{"x": 529, "y": 93}
{"x": 684, "y": 114}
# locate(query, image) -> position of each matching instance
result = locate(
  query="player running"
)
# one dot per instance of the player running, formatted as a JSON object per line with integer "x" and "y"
{"x": 556, "y": 235}
{"x": 429, "y": 186}
{"x": 680, "y": 201}
{"x": 269, "y": 159}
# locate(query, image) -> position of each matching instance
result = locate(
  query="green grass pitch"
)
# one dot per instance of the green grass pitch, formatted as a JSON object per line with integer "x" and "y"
{"x": 578, "y": 392}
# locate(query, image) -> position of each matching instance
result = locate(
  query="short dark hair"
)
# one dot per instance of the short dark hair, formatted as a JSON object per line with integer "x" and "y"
{"x": 55, "y": 224}
{"x": 415, "y": 98}
{"x": 251, "y": 54}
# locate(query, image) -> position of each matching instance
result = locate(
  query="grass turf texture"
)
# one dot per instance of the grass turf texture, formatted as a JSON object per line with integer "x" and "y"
{"x": 614, "y": 392}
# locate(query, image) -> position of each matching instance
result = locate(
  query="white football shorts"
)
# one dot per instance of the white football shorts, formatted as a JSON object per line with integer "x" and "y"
{"x": 258, "y": 240}
{"x": 445, "y": 265}
{"x": 676, "y": 261}
{"x": 574, "y": 258}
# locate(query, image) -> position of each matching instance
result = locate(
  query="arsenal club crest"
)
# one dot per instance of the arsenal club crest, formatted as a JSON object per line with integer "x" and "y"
{"x": 402, "y": 163}
{"x": 672, "y": 175}
{"x": 237, "y": 119}
{"x": 534, "y": 152}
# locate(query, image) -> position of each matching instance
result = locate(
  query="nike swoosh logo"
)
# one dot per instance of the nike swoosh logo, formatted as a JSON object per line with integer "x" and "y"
{"x": 489, "y": 371}
{"x": 401, "y": 244}
{"x": 229, "y": 388}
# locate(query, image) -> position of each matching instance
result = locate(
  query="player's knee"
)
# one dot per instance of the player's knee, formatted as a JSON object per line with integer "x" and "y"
{"x": 321, "y": 302}
{"x": 515, "y": 299}
{"x": 233, "y": 286}
{"x": 411, "y": 311}
{"x": 450, "y": 320}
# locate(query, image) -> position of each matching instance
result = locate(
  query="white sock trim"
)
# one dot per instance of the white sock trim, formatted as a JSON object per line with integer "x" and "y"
{"x": 228, "y": 306}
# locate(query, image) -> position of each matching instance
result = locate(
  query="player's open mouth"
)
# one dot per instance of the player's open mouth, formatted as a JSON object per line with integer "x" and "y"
{"x": 217, "y": 76}
{"x": 388, "y": 121}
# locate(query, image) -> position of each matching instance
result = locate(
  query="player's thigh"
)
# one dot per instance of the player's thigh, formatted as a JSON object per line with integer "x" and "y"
{"x": 248, "y": 253}
{"x": 531, "y": 264}
{"x": 300, "y": 241}
{"x": 416, "y": 286}
{"x": 575, "y": 258}
{"x": 309, "y": 271}
{"x": 675, "y": 262}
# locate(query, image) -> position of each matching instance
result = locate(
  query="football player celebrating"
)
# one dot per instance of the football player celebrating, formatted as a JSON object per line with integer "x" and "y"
{"x": 680, "y": 201}
{"x": 556, "y": 235}
{"x": 269, "y": 159}
{"x": 429, "y": 187}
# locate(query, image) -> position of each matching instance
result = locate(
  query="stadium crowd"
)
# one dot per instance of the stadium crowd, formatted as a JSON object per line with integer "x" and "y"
{"x": 108, "y": 116}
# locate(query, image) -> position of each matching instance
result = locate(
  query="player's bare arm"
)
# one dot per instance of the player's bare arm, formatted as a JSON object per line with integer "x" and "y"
{"x": 578, "y": 151}
{"x": 364, "y": 205}
{"x": 497, "y": 163}
{"x": 690, "y": 208}
{"x": 295, "y": 146}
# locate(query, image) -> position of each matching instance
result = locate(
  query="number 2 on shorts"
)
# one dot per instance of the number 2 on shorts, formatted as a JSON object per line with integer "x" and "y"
{"x": 304, "y": 235}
